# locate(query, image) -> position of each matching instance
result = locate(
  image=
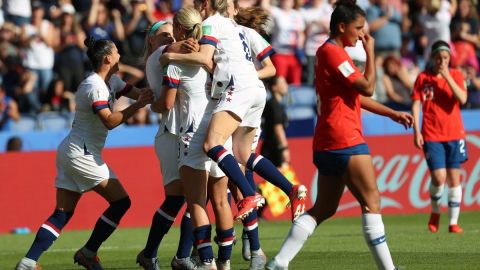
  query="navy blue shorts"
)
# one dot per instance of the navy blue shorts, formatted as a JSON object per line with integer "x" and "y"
{"x": 445, "y": 154}
{"x": 334, "y": 162}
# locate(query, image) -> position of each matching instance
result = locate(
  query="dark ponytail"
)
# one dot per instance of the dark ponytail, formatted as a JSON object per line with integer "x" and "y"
{"x": 97, "y": 50}
{"x": 346, "y": 11}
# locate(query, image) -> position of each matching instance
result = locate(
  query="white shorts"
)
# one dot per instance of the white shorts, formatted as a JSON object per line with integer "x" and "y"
{"x": 82, "y": 173}
{"x": 245, "y": 102}
{"x": 192, "y": 154}
{"x": 166, "y": 147}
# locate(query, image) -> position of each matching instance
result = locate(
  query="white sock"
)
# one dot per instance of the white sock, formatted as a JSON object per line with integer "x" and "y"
{"x": 435, "y": 196}
{"x": 302, "y": 228}
{"x": 374, "y": 233}
{"x": 28, "y": 262}
{"x": 454, "y": 201}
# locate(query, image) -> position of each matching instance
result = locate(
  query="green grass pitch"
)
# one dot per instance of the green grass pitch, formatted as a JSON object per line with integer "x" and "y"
{"x": 336, "y": 244}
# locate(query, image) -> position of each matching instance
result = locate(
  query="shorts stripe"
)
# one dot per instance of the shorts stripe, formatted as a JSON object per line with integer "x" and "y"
{"x": 108, "y": 221}
{"x": 49, "y": 227}
{"x": 165, "y": 215}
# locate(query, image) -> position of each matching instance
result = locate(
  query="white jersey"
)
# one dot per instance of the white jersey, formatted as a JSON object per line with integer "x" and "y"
{"x": 232, "y": 54}
{"x": 192, "y": 83}
{"x": 154, "y": 72}
{"x": 259, "y": 47}
{"x": 88, "y": 132}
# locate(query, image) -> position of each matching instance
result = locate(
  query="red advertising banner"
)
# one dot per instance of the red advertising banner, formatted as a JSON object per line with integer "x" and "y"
{"x": 27, "y": 192}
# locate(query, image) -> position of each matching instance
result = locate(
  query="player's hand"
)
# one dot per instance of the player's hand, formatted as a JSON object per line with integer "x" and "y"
{"x": 368, "y": 43}
{"x": 190, "y": 45}
{"x": 403, "y": 118}
{"x": 145, "y": 97}
{"x": 443, "y": 70}
{"x": 418, "y": 140}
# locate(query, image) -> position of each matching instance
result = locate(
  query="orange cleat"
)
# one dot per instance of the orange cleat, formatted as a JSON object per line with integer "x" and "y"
{"x": 433, "y": 223}
{"x": 297, "y": 200}
{"x": 455, "y": 229}
{"x": 248, "y": 204}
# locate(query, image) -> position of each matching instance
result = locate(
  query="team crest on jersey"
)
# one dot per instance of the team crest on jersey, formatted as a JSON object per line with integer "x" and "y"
{"x": 427, "y": 91}
{"x": 346, "y": 69}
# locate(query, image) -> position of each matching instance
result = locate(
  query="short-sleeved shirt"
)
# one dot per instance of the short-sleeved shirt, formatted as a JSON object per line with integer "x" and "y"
{"x": 88, "y": 132}
{"x": 259, "y": 47}
{"x": 154, "y": 72}
{"x": 286, "y": 28}
{"x": 192, "y": 96}
{"x": 339, "y": 121}
{"x": 442, "y": 120}
{"x": 232, "y": 54}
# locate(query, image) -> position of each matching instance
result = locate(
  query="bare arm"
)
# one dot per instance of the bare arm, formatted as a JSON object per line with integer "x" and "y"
{"x": 204, "y": 57}
{"x": 459, "y": 93}
{"x": 113, "y": 119}
{"x": 166, "y": 101}
{"x": 392, "y": 95}
{"x": 268, "y": 69}
{"x": 371, "y": 105}
{"x": 366, "y": 84}
{"x": 418, "y": 138}
{"x": 119, "y": 31}
{"x": 92, "y": 14}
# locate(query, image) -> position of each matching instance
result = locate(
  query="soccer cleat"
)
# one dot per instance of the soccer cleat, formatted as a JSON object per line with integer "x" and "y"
{"x": 147, "y": 263}
{"x": 183, "y": 264}
{"x": 245, "y": 247}
{"x": 455, "y": 229}
{"x": 434, "y": 221}
{"x": 27, "y": 264}
{"x": 258, "y": 260}
{"x": 272, "y": 265}
{"x": 223, "y": 265}
{"x": 92, "y": 263}
{"x": 297, "y": 200}
{"x": 206, "y": 266}
{"x": 248, "y": 204}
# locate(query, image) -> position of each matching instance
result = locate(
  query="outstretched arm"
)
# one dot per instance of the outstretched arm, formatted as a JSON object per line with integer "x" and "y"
{"x": 369, "y": 104}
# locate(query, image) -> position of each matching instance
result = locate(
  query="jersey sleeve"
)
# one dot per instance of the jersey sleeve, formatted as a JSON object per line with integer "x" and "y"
{"x": 259, "y": 46}
{"x": 417, "y": 88}
{"x": 119, "y": 87}
{"x": 210, "y": 33}
{"x": 343, "y": 66}
{"x": 98, "y": 97}
{"x": 171, "y": 77}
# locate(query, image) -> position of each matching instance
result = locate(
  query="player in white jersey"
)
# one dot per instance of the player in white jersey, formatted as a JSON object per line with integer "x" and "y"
{"x": 159, "y": 36}
{"x": 80, "y": 167}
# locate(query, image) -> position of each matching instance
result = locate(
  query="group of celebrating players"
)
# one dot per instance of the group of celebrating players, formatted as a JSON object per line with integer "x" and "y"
{"x": 204, "y": 73}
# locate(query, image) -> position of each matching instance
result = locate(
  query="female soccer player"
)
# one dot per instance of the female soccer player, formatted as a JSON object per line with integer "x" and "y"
{"x": 187, "y": 85}
{"x": 440, "y": 91}
{"x": 340, "y": 152}
{"x": 80, "y": 167}
{"x": 159, "y": 36}
{"x": 240, "y": 105}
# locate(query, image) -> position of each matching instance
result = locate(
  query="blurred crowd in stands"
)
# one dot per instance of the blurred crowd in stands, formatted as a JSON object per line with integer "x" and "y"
{"x": 42, "y": 56}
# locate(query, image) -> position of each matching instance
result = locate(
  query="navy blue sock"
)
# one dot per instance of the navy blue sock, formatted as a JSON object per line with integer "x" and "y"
{"x": 185, "y": 243}
{"x": 250, "y": 227}
{"x": 203, "y": 243}
{"x": 225, "y": 243}
{"x": 249, "y": 176}
{"x": 107, "y": 223}
{"x": 161, "y": 223}
{"x": 269, "y": 172}
{"x": 48, "y": 233}
{"x": 230, "y": 167}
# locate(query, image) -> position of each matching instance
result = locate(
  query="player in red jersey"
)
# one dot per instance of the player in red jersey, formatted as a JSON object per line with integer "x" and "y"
{"x": 440, "y": 90}
{"x": 340, "y": 152}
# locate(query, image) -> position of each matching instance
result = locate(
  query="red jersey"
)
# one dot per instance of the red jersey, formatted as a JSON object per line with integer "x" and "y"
{"x": 442, "y": 120}
{"x": 339, "y": 122}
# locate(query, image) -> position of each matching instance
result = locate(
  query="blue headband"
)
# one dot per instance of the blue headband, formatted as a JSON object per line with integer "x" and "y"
{"x": 155, "y": 27}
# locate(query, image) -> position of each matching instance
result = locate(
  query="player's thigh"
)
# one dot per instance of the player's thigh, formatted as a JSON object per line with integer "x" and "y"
{"x": 221, "y": 127}
{"x": 166, "y": 148}
{"x": 360, "y": 179}
{"x": 195, "y": 185}
{"x": 174, "y": 188}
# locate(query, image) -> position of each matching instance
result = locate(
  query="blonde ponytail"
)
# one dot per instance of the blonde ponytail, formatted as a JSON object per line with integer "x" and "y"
{"x": 191, "y": 21}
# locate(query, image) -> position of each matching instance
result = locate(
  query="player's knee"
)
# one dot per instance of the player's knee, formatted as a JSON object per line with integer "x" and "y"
{"x": 241, "y": 155}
